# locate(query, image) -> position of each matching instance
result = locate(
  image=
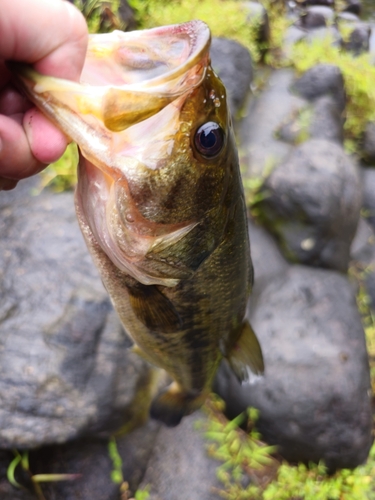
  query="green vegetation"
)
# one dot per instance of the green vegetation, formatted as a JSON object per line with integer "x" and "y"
{"x": 226, "y": 18}
{"x": 244, "y": 456}
{"x": 101, "y": 15}
{"x": 62, "y": 175}
{"x": 117, "y": 475}
{"x": 358, "y": 73}
{"x": 22, "y": 460}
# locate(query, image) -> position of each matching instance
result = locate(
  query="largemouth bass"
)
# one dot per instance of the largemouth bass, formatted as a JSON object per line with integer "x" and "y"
{"x": 160, "y": 201}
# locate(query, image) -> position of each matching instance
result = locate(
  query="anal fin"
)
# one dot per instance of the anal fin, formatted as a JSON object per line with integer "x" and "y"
{"x": 246, "y": 357}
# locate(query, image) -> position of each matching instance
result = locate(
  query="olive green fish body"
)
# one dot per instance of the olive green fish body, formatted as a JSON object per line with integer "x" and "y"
{"x": 160, "y": 201}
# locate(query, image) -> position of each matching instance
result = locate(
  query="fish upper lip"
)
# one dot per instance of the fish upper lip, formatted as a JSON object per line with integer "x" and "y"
{"x": 196, "y": 34}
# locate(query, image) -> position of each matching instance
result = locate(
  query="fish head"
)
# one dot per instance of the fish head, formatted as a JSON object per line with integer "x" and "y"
{"x": 157, "y": 149}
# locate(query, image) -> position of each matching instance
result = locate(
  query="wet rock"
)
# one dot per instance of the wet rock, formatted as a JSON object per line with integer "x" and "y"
{"x": 368, "y": 146}
{"x": 232, "y": 62}
{"x": 319, "y": 120}
{"x": 261, "y": 150}
{"x": 316, "y": 17}
{"x": 353, "y": 6}
{"x": 257, "y": 16}
{"x": 327, "y": 3}
{"x": 368, "y": 185}
{"x": 322, "y": 80}
{"x": 315, "y": 397}
{"x": 359, "y": 39}
{"x": 312, "y": 204}
{"x": 65, "y": 367}
{"x": 267, "y": 259}
{"x": 91, "y": 459}
{"x": 179, "y": 467}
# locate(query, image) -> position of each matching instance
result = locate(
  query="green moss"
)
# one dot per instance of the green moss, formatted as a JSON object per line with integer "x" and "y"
{"x": 62, "y": 175}
{"x": 225, "y": 18}
{"x": 359, "y": 77}
{"x": 246, "y": 459}
{"x": 101, "y": 15}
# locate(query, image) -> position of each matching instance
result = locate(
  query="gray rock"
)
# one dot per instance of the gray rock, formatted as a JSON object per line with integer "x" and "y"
{"x": 359, "y": 39}
{"x": 353, "y": 6}
{"x": 257, "y": 16}
{"x": 322, "y": 80}
{"x": 65, "y": 367}
{"x": 368, "y": 185}
{"x": 368, "y": 146}
{"x": 91, "y": 459}
{"x": 363, "y": 258}
{"x": 316, "y": 16}
{"x": 268, "y": 262}
{"x": 179, "y": 468}
{"x": 321, "y": 119}
{"x": 312, "y": 204}
{"x": 261, "y": 150}
{"x": 232, "y": 62}
{"x": 315, "y": 397}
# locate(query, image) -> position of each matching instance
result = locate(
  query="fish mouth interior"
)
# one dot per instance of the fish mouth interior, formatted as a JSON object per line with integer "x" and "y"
{"x": 147, "y": 58}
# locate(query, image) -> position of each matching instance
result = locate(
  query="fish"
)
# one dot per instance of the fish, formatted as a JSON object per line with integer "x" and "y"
{"x": 160, "y": 202}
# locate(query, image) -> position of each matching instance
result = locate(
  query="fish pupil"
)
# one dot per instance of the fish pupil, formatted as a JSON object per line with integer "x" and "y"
{"x": 209, "y": 139}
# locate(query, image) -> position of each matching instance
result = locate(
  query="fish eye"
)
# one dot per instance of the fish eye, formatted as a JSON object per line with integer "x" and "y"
{"x": 209, "y": 139}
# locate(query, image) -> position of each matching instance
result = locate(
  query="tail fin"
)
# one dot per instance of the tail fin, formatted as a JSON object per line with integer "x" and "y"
{"x": 173, "y": 404}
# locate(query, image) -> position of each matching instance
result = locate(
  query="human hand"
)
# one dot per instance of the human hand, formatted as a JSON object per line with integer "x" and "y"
{"x": 52, "y": 36}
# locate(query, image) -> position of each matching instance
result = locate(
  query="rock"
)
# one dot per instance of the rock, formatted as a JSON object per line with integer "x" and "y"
{"x": 359, "y": 39}
{"x": 368, "y": 186}
{"x": 368, "y": 146}
{"x": 92, "y": 460}
{"x": 315, "y": 397}
{"x": 312, "y": 204}
{"x": 363, "y": 258}
{"x": 319, "y": 120}
{"x": 322, "y": 33}
{"x": 353, "y": 6}
{"x": 179, "y": 467}
{"x": 327, "y": 3}
{"x": 316, "y": 17}
{"x": 257, "y": 16}
{"x": 322, "y": 80}
{"x": 65, "y": 367}
{"x": 268, "y": 262}
{"x": 233, "y": 64}
{"x": 261, "y": 150}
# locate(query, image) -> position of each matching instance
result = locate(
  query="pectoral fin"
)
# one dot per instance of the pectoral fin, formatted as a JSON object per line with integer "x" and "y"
{"x": 154, "y": 309}
{"x": 246, "y": 355}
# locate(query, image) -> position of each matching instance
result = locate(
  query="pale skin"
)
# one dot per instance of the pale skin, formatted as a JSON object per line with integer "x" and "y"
{"x": 52, "y": 36}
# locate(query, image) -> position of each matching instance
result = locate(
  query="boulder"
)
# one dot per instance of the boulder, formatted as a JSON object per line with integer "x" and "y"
{"x": 91, "y": 460}
{"x": 322, "y": 80}
{"x": 316, "y": 16}
{"x": 368, "y": 186}
{"x": 179, "y": 467}
{"x": 65, "y": 366}
{"x": 368, "y": 144}
{"x": 315, "y": 396}
{"x": 261, "y": 150}
{"x": 232, "y": 62}
{"x": 312, "y": 203}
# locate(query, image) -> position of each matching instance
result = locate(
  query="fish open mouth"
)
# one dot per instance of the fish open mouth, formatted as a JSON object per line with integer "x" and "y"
{"x": 125, "y": 117}
{"x": 127, "y": 77}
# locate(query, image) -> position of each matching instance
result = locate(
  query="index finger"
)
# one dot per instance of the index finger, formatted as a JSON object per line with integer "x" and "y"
{"x": 50, "y": 34}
